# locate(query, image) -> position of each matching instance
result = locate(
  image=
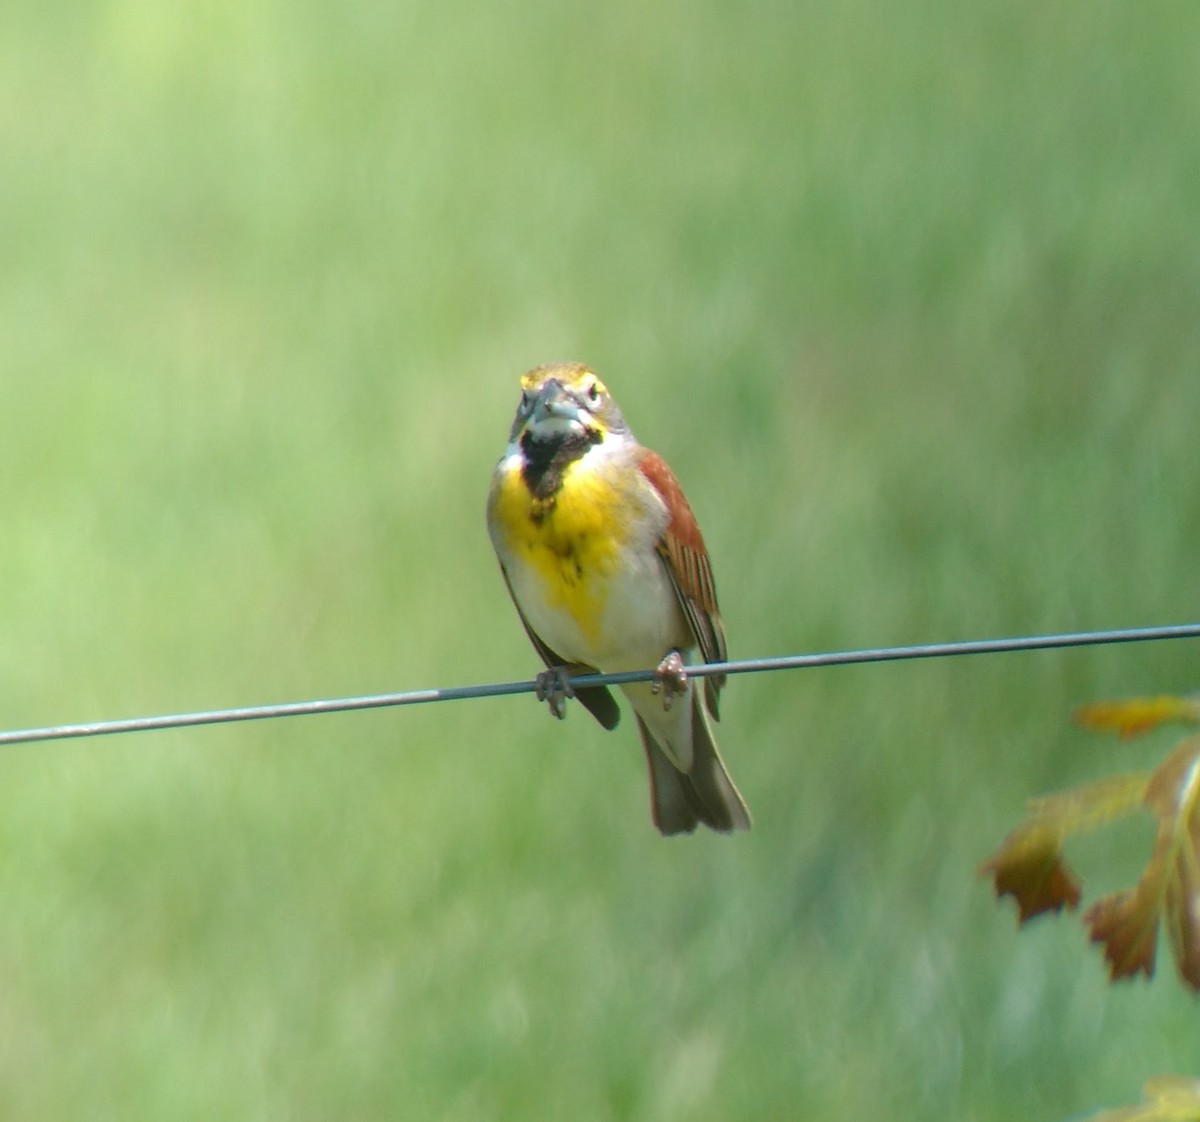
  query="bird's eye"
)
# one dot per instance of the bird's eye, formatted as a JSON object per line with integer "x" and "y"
{"x": 593, "y": 392}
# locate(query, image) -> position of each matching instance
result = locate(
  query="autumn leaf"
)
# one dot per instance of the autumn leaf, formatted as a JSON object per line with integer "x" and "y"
{"x": 1029, "y": 864}
{"x": 1136, "y": 715}
{"x": 1030, "y": 867}
{"x": 1167, "y": 1098}
{"x": 1168, "y": 893}
{"x": 1127, "y": 924}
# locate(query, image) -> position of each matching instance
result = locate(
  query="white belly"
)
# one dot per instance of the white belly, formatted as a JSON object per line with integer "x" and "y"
{"x": 638, "y": 622}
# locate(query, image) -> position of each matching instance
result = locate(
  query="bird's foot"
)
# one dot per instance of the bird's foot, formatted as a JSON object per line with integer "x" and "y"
{"x": 670, "y": 677}
{"x": 554, "y": 687}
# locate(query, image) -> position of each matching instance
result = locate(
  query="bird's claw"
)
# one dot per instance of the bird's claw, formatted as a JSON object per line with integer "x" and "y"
{"x": 554, "y": 687}
{"x": 670, "y": 676}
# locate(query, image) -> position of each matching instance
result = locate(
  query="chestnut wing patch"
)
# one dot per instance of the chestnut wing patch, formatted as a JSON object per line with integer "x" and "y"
{"x": 682, "y": 549}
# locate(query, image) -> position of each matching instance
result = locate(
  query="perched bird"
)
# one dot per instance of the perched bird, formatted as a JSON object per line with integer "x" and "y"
{"x": 605, "y": 563}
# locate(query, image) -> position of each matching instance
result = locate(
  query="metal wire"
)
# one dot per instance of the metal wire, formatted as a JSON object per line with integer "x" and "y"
{"x": 500, "y": 689}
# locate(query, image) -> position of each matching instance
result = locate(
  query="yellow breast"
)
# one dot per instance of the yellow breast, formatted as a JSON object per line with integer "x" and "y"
{"x": 570, "y": 540}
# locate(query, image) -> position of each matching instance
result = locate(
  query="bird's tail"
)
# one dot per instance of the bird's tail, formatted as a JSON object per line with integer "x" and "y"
{"x": 680, "y": 800}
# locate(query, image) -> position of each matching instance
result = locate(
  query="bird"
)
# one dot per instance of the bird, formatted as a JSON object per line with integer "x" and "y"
{"x": 606, "y": 565}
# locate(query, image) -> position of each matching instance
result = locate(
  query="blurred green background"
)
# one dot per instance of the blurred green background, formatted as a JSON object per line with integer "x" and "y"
{"x": 908, "y": 297}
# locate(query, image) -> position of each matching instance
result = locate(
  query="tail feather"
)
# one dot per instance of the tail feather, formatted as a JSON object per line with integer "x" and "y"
{"x": 706, "y": 794}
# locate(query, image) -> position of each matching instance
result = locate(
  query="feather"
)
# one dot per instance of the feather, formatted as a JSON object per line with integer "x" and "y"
{"x": 686, "y": 557}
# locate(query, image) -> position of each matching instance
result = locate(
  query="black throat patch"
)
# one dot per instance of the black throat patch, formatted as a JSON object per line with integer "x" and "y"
{"x": 545, "y": 460}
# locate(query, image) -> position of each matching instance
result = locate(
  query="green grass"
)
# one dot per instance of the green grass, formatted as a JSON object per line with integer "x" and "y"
{"x": 907, "y": 298}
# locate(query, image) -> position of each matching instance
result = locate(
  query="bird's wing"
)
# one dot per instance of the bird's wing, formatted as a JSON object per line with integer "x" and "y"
{"x": 686, "y": 559}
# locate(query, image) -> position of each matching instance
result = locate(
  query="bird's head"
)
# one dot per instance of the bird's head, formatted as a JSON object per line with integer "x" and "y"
{"x": 565, "y": 402}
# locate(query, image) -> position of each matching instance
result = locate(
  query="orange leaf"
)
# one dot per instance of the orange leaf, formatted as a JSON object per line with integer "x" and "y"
{"x": 1174, "y": 796}
{"x": 1136, "y": 715}
{"x": 1029, "y": 864}
{"x": 1127, "y": 924}
{"x": 1029, "y": 867}
{"x": 1169, "y": 889}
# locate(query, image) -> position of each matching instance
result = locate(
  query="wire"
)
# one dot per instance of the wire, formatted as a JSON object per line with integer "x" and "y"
{"x": 581, "y": 681}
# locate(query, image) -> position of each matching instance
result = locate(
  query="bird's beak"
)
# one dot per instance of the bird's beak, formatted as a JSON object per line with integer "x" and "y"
{"x": 554, "y": 413}
{"x": 553, "y": 401}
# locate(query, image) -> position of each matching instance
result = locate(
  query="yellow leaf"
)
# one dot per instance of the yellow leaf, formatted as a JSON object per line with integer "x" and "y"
{"x": 1168, "y": 1098}
{"x": 1136, "y": 715}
